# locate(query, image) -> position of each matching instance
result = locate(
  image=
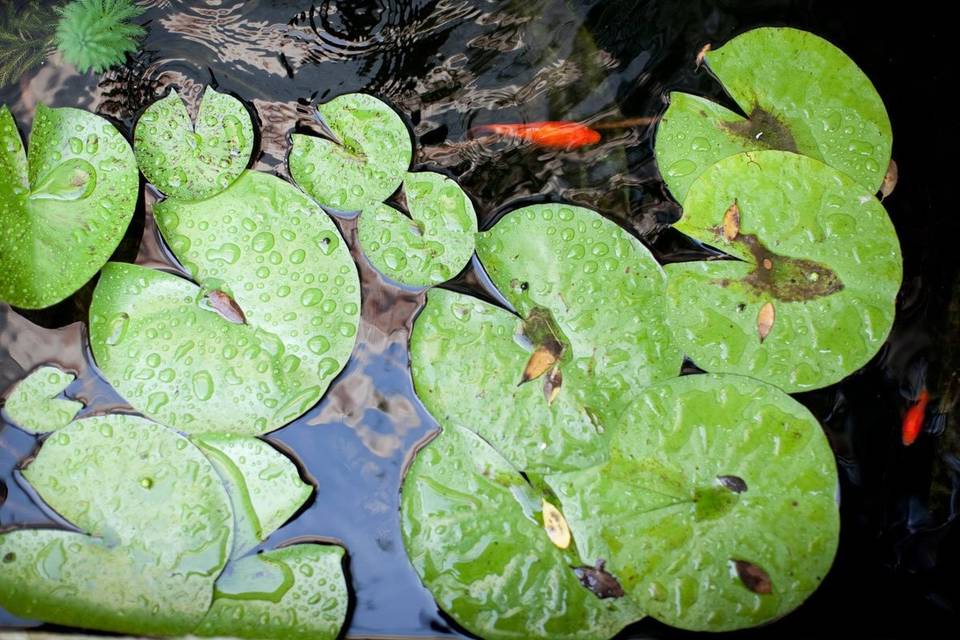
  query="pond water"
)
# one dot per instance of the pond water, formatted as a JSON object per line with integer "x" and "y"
{"x": 452, "y": 65}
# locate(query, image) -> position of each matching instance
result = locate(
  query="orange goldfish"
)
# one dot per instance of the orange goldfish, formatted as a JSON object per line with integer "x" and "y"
{"x": 914, "y": 418}
{"x": 552, "y": 134}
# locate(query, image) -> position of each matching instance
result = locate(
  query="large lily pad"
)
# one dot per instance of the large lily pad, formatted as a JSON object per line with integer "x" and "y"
{"x": 254, "y": 346}
{"x": 429, "y": 246}
{"x": 365, "y": 162}
{"x": 34, "y": 403}
{"x": 582, "y": 286}
{"x": 813, "y": 244}
{"x": 473, "y": 528}
{"x": 717, "y": 509}
{"x": 194, "y": 162}
{"x": 65, "y": 209}
{"x": 800, "y": 94}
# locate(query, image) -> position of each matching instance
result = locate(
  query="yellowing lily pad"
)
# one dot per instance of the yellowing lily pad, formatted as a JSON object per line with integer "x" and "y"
{"x": 188, "y": 161}
{"x": 365, "y": 161}
{"x": 34, "y": 403}
{"x": 717, "y": 508}
{"x": 812, "y": 243}
{"x": 429, "y": 246}
{"x": 257, "y": 343}
{"x": 800, "y": 93}
{"x": 64, "y": 209}
{"x": 473, "y": 529}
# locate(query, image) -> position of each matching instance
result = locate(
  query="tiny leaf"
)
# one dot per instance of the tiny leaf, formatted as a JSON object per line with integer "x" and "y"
{"x": 33, "y": 403}
{"x": 765, "y": 318}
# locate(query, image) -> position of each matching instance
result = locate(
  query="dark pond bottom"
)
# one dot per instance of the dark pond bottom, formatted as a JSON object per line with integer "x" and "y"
{"x": 452, "y": 65}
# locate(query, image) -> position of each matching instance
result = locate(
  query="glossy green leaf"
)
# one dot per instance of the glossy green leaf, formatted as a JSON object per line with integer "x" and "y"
{"x": 65, "y": 209}
{"x": 296, "y": 592}
{"x": 800, "y": 94}
{"x": 598, "y": 293}
{"x": 188, "y": 161}
{"x": 429, "y": 246}
{"x": 34, "y": 403}
{"x": 707, "y": 471}
{"x": 473, "y": 529}
{"x": 366, "y": 162}
{"x": 264, "y": 485}
{"x": 168, "y": 350}
{"x": 834, "y": 272}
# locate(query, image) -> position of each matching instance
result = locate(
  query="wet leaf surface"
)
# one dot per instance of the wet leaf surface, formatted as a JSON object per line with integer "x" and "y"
{"x": 813, "y": 244}
{"x": 429, "y": 246}
{"x": 668, "y": 530}
{"x": 63, "y": 208}
{"x": 33, "y": 404}
{"x": 280, "y": 258}
{"x": 800, "y": 93}
{"x": 194, "y": 161}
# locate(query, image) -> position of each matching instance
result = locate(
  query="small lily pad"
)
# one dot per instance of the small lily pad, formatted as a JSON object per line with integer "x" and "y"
{"x": 172, "y": 349}
{"x": 800, "y": 93}
{"x": 296, "y": 592}
{"x": 194, "y": 162}
{"x": 429, "y": 246}
{"x": 473, "y": 529}
{"x": 717, "y": 509}
{"x": 65, "y": 209}
{"x": 34, "y": 403}
{"x": 365, "y": 161}
{"x": 814, "y": 244}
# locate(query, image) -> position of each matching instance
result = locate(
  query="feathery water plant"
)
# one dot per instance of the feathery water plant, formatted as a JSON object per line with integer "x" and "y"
{"x": 26, "y": 36}
{"x": 97, "y": 34}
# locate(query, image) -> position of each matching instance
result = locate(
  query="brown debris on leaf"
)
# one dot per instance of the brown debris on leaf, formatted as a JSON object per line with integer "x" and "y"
{"x": 226, "y": 306}
{"x": 541, "y": 360}
{"x": 702, "y": 55}
{"x": 735, "y": 484}
{"x": 731, "y": 222}
{"x": 889, "y": 180}
{"x": 765, "y": 319}
{"x": 753, "y": 577}
{"x": 596, "y": 579}
{"x": 555, "y": 525}
{"x": 552, "y": 384}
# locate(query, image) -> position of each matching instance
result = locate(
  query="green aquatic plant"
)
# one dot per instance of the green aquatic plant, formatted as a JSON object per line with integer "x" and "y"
{"x": 34, "y": 404}
{"x": 26, "y": 38}
{"x": 97, "y": 34}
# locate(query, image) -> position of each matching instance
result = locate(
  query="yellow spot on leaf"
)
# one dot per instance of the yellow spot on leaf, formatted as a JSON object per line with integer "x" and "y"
{"x": 765, "y": 320}
{"x": 556, "y": 526}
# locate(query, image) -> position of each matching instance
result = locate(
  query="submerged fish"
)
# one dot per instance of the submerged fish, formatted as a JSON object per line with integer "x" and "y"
{"x": 554, "y": 134}
{"x": 914, "y": 418}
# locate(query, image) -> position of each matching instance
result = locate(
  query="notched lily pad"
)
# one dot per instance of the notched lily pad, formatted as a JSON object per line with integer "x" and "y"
{"x": 35, "y": 405}
{"x": 63, "y": 209}
{"x": 800, "y": 94}
{"x": 363, "y": 159}
{"x": 188, "y": 161}
{"x": 811, "y": 296}
{"x": 177, "y": 358}
{"x": 694, "y": 551}
{"x": 474, "y": 530}
{"x": 429, "y": 246}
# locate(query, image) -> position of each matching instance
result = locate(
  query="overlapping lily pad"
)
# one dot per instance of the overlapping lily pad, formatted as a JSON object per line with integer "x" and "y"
{"x": 800, "y": 93}
{"x": 188, "y": 161}
{"x": 364, "y": 159}
{"x": 809, "y": 241}
{"x": 34, "y": 403}
{"x": 717, "y": 508}
{"x": 257, "y": 343}
{"x": 582, "y": 285}
{"x": 429, "y": 246}
{"x": 63, "y": 209}
{"x": 473, "y": 528}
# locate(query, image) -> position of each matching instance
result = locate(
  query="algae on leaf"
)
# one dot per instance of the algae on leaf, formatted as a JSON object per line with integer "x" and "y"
{"x": 813, "y": 244}
{"x": 188, "y": 161}
{"x": 800, "y": 93}
{"x": 64, "y": 207}
{"x": 33, "y": 404}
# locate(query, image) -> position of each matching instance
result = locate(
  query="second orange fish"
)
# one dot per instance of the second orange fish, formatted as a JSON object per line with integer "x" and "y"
{"x": 553, "y": 134}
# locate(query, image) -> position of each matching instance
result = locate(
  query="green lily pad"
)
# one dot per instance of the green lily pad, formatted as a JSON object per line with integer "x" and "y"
{"x": 34, "y": 405}
{"x": 365, "y": 164}
{"x": 580, "y": 283}
{"x": 65, "y": 209}
{"x": 812, "y": 243}
{"x": 264, "y": 485}
{"x": 194, "y": 162}
{"x": 295, "y": 592}
{"x": 473, "y": 529}
{"x": 800, "y": 94}
{"x": 717, "y": 509}
{"x": 251, "y": 364}
{"x": 159, "y": 517}
{"x": 429, "y": 246}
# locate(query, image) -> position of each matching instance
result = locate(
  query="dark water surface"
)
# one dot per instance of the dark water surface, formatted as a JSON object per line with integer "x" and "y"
{"x": 455, "y": 64}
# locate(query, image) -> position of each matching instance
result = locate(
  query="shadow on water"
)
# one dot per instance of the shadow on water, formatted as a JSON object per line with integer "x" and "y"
{"x": 452, "y": 65}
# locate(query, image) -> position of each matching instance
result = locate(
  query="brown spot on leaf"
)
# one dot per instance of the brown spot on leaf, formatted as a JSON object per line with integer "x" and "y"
{"x": 552, "y": 384}
{"x": 731, "y": 222}
{"x": 767, "y": 264}
{"x": 765, "y": 319}
{"x": 735, "y": 484}
{"x": 764, "y": 128}
{"x": 753, "y": 577}
{"x": 596, "y": 579}
{"x": 541, "y": 360}
{"x": 785, "y": 278}
{"x": 226, "y": 306}
{"x": 889, "y": 180}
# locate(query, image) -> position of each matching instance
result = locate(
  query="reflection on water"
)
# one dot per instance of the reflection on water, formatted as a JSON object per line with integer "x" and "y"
{"x": 451, "y": 65}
